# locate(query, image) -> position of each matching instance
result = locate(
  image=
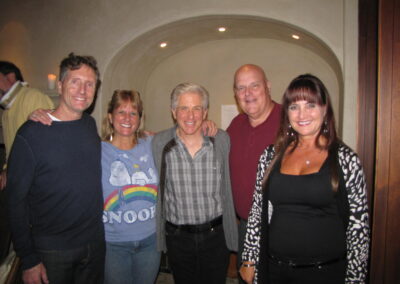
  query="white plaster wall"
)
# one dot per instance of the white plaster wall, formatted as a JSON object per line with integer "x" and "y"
{"x": 350, "y": 73}
{"x": 36, "y": 35}
{"x": 214, "y": 70}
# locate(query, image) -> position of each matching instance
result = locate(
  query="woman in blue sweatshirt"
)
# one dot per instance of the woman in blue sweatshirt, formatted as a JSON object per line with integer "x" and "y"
{"x": 130, "y": 181}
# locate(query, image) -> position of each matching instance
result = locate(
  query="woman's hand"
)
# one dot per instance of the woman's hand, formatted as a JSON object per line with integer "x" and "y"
{"x": 41, "y": 115}
{"x": 246, "y": 271}
{"x": 149, "y": 133}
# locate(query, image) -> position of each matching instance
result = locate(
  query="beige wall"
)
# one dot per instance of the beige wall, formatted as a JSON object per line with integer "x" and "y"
{"x": 37, "y": 34}
{"x": 214, "y": 70}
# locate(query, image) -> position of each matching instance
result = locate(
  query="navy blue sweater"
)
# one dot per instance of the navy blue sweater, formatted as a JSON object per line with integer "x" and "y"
{"x": 54, "y": 187}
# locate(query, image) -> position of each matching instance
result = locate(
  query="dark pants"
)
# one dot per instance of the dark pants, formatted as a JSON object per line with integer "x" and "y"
{"x": 242, "y": 233}
{"x": 197, "y": 257}
{"x": 84, "y": 265}
{"x": 333, "y": 273}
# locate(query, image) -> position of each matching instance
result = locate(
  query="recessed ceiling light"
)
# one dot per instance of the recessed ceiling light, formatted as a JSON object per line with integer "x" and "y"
{"x": 163, "y": 44}
{"x": 295, "y": 36}
{"x": 221, "y": 29}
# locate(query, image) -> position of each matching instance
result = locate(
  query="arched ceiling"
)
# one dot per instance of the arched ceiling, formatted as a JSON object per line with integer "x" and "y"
{"x": 143, "y": 53}
{"x": 133, "y": 64}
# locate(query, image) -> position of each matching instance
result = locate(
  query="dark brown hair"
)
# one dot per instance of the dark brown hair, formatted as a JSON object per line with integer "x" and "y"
{"x": 8, "y": 67}
{"x": 74, "y": 62}
{"x": 311, "y": 89}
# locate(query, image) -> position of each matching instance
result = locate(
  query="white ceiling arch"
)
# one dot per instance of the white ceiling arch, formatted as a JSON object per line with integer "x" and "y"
{"x": 134, "y": 63}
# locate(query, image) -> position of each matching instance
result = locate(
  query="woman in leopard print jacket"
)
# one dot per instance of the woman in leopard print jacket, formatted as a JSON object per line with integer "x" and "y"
{"x": 309, "y": 218}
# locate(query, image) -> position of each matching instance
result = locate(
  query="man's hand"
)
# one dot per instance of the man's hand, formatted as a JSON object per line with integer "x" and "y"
{"x": 40, "y": 115}
{"x": 35, "y": 275}
{"x": 209, "y": 128}
{"x": 3, "y": 179}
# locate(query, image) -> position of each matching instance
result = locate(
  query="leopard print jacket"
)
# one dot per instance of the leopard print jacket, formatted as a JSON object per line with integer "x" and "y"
{"x": 357, "y": 234}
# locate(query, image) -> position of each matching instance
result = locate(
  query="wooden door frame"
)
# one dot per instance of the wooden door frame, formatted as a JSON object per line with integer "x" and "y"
{"x": 367, "y": 89}
{"x": 378, "y": 137}
{"x": 367, "y": 97}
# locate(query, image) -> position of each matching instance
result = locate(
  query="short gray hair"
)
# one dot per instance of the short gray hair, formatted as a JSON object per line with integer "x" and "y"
{"x": 185, "y": 88}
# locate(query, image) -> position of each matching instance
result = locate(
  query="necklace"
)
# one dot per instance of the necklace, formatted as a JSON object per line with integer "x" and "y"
{"x": 307, "y": 152}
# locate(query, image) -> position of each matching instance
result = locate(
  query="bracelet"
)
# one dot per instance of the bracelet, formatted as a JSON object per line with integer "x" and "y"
{"x": 248, "y": 264}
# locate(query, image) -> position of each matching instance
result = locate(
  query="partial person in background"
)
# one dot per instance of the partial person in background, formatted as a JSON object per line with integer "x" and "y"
{"x": 196, "y": 221}
{"x": 55, "y": 202}
{"x": 309, "y": 218}
{"x": 250, "y": 133}
{"x": 130, "y": 186}
{"x": 18, "y": 101}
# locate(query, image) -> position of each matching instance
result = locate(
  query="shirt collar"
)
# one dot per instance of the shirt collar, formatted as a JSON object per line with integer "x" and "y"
{"x": 206, "y": 140}
{"x": 8, "y": 99}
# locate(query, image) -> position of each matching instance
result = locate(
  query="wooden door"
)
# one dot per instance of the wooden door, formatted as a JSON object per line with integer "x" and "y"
{"x": 385, "y": 250}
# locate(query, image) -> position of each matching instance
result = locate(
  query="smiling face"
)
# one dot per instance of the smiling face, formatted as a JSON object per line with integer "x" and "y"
{"x": 252, "y": 91}
{"x": 306, "y": 118}
{"x": 125, "y": 120}
{"x": 189, "y": 114}
{"x": 77, "y": 92}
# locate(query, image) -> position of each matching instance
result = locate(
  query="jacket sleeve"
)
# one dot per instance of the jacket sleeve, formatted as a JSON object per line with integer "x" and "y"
{"x": 252, "y": 238}
{"x": 20, "y": 178}
{"x": 229, "y": 215}
{"x": 357, "y": 234}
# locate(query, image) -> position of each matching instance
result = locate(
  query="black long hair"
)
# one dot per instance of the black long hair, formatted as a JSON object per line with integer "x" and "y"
{"x": 7, "y": 67}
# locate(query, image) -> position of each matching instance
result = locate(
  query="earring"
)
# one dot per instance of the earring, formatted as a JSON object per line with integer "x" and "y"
{"x": 325, "y": 130}
{"x": 290, "y": 131}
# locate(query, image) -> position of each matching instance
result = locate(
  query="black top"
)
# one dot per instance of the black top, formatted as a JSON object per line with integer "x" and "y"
{"x": 305, "y": 224}
{"x": 54, "y": 187}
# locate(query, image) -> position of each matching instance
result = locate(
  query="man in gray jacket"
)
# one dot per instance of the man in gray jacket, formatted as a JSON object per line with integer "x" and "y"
{"x": 195, "y": 213}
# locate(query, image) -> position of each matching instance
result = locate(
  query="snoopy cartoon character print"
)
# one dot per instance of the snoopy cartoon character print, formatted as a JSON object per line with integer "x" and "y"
{"x": 129, "y": 191}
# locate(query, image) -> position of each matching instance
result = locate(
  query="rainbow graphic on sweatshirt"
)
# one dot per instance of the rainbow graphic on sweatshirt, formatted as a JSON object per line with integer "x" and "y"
{"x": 130, "y": 193}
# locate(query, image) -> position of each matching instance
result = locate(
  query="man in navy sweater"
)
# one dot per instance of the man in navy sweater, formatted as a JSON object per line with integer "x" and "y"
{"x": 54, "y": 186}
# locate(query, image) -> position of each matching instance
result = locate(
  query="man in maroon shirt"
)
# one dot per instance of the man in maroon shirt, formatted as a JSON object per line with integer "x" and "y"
{"x": 250, "y": 132}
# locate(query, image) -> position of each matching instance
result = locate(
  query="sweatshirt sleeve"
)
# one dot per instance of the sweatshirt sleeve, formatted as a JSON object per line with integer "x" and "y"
{"x": 20, "y": 177}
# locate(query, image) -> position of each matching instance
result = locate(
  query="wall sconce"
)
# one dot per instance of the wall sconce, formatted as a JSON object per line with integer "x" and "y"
{"x": 51, "y": 81}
